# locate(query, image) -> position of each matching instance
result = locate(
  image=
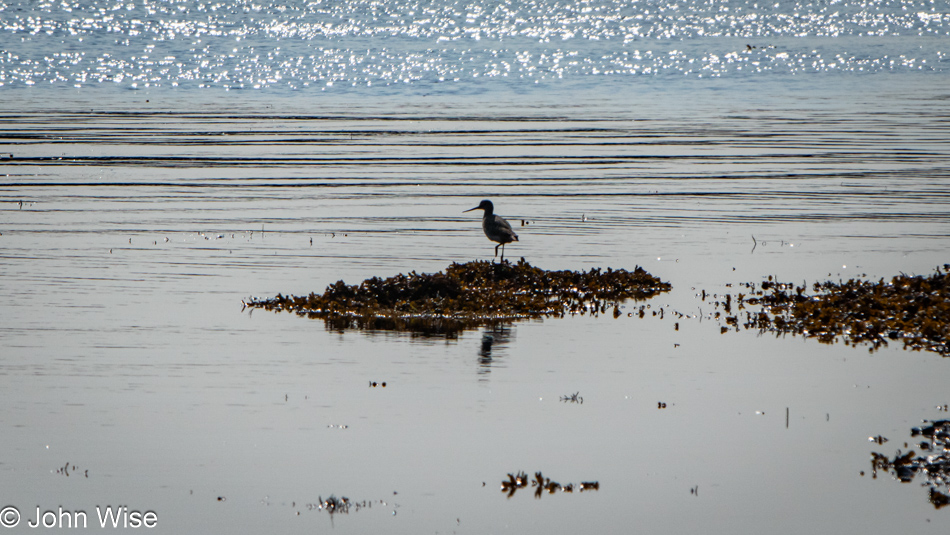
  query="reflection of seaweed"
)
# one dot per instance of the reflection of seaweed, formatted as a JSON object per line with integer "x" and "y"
{"x": 915, "y": 309}
{"x": 935, "y": 466}
{"x": 468, "y": 295}
{"x": 541, "y": 484}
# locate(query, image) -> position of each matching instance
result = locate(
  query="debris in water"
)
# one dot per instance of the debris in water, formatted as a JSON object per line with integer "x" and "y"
{"x": 933, "y": 466}
{"x": 542, "y": 484}
{"x": 912, "y": 309}
{"x": 573, "y": 398}
{"x": 915, "y": 309}
{"x": 66, "y": 468}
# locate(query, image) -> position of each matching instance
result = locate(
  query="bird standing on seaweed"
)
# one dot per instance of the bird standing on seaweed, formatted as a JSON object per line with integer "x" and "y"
{"x": 495, "y": 227}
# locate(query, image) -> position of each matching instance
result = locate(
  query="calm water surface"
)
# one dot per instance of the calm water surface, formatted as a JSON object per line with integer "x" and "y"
{"x": 138, "y": 209}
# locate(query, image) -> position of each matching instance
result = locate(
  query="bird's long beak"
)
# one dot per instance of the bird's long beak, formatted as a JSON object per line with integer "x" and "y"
{"x": 470, "y": 209}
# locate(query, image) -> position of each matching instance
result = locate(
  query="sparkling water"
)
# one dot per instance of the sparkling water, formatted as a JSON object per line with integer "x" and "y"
{"x": 450, "y": 46}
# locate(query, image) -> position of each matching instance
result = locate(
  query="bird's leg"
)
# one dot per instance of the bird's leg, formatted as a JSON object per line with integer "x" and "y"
{"x": 502, "y": 253}
{"x": 496, "y": 250}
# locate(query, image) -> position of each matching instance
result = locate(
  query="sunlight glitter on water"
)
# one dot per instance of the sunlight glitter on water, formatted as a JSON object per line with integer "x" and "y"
{"x": 250, "y": 45}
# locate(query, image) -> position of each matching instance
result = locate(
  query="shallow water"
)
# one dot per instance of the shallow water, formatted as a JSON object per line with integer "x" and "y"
{"x": 130, "y": 356}
{"x": 138, "y": 211}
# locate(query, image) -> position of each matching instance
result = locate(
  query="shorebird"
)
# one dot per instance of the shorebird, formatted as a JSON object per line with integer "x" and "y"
{"x": 495, "y": 227}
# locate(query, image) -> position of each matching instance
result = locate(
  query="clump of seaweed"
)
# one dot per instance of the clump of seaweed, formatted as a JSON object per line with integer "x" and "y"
{"x": 334, "y": 505}
{"x": 468, "y": 295}
{"x": 542, "y": 484}
{"x": 64, "y": 470}
{"x": 914, "y": 309}
{"x": 934, "y": 466}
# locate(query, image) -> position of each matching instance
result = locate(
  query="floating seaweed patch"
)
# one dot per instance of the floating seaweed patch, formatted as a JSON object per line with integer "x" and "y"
{"x": 333, "y": 505}
{"x": 933, "y": 466}
{"x": 912, "y": 309}
{"x": 467, "y": 296}
{"x": 542, "y": 484}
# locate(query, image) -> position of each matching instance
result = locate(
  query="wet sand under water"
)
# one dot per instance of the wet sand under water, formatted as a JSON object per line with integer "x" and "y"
{"x": 126, "y": 353}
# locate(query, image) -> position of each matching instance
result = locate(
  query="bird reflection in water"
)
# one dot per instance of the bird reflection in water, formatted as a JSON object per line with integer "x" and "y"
{"x": 493, "y": 337}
